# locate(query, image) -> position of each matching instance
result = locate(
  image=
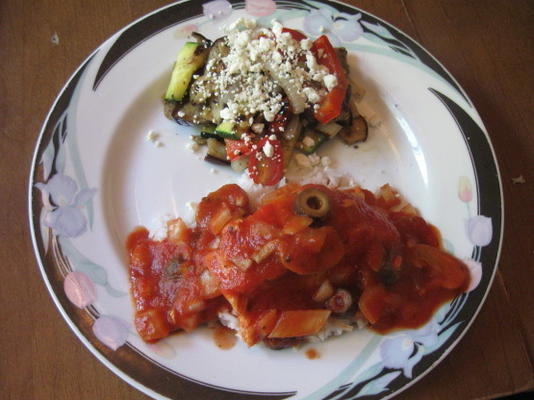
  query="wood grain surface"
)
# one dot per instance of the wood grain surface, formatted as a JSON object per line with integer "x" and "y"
{"x": 487, "y": 45}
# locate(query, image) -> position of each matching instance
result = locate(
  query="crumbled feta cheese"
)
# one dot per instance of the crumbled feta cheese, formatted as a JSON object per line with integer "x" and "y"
{"x": 374, "y": 121}
{"x": 305, "y": 44}
{"x": 152, "y": 136}
{"x": 277, "y": 27}
{"x": 269, "y": 115}
{"x": 268, "y": 149}
{"x": 272, "y": 137}
{"x": 226, "y": 114}
{"x": 260, "y": 64}
{"x": 241, "y": 23}
{"x": 311, "y": 94}
{"x": 181, "y": 114}
{"x": 192, "y": 146}
{"x": 330, "y": 81}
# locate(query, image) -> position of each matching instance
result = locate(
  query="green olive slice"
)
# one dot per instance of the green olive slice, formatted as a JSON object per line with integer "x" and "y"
{"x": 312, "y": 202}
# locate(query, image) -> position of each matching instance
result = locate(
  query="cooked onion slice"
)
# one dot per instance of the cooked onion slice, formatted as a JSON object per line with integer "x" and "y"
{"x": 331, "y": 129}
{"x": 296, "y": 98}
{"x": 299, "y": 323}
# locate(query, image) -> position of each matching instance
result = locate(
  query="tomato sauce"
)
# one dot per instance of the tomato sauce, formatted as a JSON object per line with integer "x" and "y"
{"x": 275, "y": 268}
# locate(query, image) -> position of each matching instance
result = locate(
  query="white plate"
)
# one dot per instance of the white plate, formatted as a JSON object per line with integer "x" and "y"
{"x": 95, "y": 177}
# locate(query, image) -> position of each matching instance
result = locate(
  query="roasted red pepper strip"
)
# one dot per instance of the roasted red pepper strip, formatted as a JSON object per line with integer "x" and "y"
{"x": 298, "y": 36}
{"x": 332, "y": 103}
{"x": 237, "y": 148}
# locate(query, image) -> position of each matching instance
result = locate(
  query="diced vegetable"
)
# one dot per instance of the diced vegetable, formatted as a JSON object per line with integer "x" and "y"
{"x": 151, "y": 325}
{"x": 191, "y": 57}
{"x": 331, "y": 129}
{"x": 332, "y": 104}
{"x": 219, "y": 220}
{"x": 238, "y": 148}
{"x": 310, "y": 141}
{"x": 356, "y": 132}
{"x": 299, "y": 323}
{"x": 325, "y": 291}
{"x": 217, "y": 150}
{"x": 239, "y": 164}
{"x": 296, "y": 223}
{"x": 227, "y": 130}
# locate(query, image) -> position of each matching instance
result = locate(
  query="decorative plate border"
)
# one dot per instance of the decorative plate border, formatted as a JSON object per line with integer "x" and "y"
{"x": 55, "y": 198}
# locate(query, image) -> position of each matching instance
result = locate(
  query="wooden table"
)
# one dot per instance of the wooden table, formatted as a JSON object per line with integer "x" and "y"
{"x": 487, "y": 45}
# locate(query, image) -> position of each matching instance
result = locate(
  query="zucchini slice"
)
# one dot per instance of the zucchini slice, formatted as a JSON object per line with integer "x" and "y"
{"x": 227, "y": 130}
{"x": 191, "y": 57}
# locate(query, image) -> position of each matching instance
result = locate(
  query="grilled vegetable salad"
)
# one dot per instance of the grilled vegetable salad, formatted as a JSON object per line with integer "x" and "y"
{"x": 258, "y": 95}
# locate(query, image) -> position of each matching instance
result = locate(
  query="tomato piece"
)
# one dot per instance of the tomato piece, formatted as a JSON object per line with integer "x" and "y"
{"x": 263, "y": 169}
{"x": 332, "y": 103}
{"x": 237, "y": 148}
{"x": 298, "y": 36}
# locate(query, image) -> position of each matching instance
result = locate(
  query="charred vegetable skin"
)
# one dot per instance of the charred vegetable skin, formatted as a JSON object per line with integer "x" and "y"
{"x": 188, "y": 104}
{"x": 190, "y": 59}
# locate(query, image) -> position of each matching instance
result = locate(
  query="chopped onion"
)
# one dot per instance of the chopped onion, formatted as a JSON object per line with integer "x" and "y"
{"x": 265, "y": 251}
{"x": 210, "y": 284}
{"x": 219, "y": 220}
{"x": 240, "y": 164}
{"x": 325, "y": 291}
{"x": 177, "y": 230}
{"x": 242, "y": 263}
{"x": 330, "y": 129}
{"x": 196, "y": 306}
